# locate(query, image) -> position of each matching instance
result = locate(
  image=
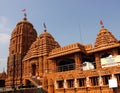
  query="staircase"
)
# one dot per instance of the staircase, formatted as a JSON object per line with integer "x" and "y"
{"x": 34, "y": 80}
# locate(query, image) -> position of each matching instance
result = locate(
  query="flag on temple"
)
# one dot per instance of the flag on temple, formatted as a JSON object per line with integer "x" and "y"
{"x": 101, "y": 23}
{"x": 44, "y": 25}
{"x": 24, "y": 10}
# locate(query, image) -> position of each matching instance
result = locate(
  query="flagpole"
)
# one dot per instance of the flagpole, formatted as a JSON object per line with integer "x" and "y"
{"x": 24, "y": 12}
{"x": 44, "y": 26}
{"x": 80, "y": 34}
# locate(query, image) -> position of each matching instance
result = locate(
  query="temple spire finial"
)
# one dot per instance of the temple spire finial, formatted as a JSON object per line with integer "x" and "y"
{"x": 24, "y": 11}
{"x": 44, "y": 26}
{"x": 101, "y": 23}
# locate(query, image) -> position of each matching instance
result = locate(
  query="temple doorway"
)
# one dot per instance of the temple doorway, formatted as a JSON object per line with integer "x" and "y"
{"x": 33, "y": 69}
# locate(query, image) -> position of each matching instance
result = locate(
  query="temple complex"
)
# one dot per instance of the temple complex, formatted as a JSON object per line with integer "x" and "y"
{"x": 39, "y": 61}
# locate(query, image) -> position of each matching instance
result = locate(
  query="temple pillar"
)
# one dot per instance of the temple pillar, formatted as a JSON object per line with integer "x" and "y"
{"x": 115, "y": 52}
{"x": 97, "y": 60}
{"x": 45, "y": 64}
{"x": 52, "y": 65}
{"x": 29, "y": 69}
{"x": 78, "y": 61}
{"x": 50, "y": 86}
{"x": 56, "y": 85}
{"x": 75, "y": 83}
{"x": 40, "y": 61}
{"x": 50, "y": 89}
{"x": 88, "y": 82}
{"x": 37, "y": 68}
{"x": 65, "y": 83}
{"x": 55, "y": 65}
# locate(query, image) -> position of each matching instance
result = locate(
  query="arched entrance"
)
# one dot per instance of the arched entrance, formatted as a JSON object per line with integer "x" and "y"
{"x": 33, "y": 69}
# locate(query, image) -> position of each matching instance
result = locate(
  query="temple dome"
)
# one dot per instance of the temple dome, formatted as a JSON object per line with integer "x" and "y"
{"x": 45, "y": 34}
{"x": 42, "y": 46}
{"x": 22, "y": 37}
{"x": 104, "y": 38}
{"x": 25, "y": 21}
{"x": 24, "y": 24}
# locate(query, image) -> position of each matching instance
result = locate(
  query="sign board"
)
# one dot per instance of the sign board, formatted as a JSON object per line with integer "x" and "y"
{"x": 113, "y": 83}
{"x": 110, "y": 61}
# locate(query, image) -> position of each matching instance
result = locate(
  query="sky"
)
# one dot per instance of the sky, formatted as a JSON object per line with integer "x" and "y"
{"x": 68, "y": 21}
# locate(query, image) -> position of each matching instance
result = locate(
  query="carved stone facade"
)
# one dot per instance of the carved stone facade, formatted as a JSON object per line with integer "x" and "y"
{"x": 21, "y": 39}
{"x": 75, "y": 68}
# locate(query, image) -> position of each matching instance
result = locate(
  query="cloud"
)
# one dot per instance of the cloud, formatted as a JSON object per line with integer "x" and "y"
{"x": 4, "y": 38}
{"x": 3, "y": 64}
{"x": 4, "y": 24}
{"x": 4, "y": 30}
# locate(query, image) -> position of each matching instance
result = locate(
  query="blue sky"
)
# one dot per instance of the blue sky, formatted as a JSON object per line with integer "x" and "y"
{"x": 69, "y": 21}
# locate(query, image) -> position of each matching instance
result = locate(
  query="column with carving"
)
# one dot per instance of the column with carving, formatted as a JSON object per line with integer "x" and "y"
{"x": 40, "y": 61}
{"x": 78, "y": 61}
{"x": 45, "y": 64}
{"x": 54, "y": 65}
{"x": 29, "y": 69}
{"x": 115, "y": 52}
{"x": 50, "y": 86}
{"x": 97, "y": 60}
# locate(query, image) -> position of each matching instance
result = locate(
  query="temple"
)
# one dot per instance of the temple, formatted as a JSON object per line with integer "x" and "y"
{"x": 40, "y": 61}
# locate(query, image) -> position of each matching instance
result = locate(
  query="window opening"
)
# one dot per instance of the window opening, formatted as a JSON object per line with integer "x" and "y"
{"x": 105, "y": 55}
{"x": 33, "y": 69}
{"x": 94, "y": 81}
{"x": 105, "y": 79}
{"x": 66, "y": 65}
{"x": 60, "y": 83}
{"x": 70, "y": 83}
{"x": 118, "y": 78}
{"x": 89, "y": 62}
{"x": 81, "y": 82}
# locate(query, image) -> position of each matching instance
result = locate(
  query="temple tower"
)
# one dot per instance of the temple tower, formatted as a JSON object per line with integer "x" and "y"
{"x": 22, "y": 37}
{"x": 104, "y": 41}
{"x": 36, "y": 63}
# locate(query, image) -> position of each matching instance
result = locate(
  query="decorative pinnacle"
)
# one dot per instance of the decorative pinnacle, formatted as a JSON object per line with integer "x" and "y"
{"x": 101, "y": 23}
{"x": 24, "y": 11}
{"x": 44, "y": 26}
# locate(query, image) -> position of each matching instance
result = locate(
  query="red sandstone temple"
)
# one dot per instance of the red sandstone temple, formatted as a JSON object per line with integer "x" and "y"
{"x": 76, "y": 68}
